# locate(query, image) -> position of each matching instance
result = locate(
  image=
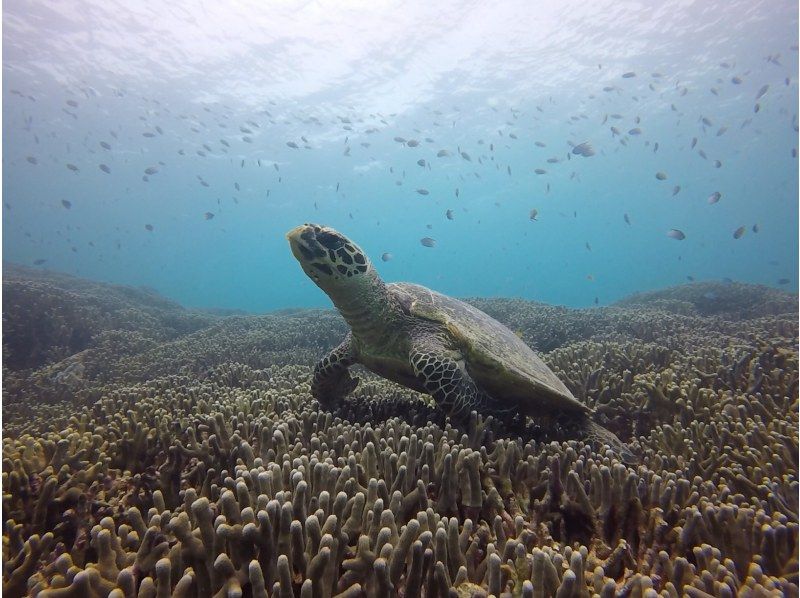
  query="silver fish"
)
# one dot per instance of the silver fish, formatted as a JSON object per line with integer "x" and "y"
{"x": 428, "y": 242}
{"x": 674, "y": 233}
{"x": 584, "y": 149}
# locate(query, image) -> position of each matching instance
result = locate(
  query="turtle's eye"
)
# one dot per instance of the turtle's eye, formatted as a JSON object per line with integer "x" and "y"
{"x": 330, "y": 240}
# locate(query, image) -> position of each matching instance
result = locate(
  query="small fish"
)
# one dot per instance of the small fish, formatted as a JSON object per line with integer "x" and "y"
{"x": 627, "y": 219}
{"x": 428, "y": 242}
{"x": 583, "y": 149}
{"x": 588, "y": 247}
{"x": 38, "y": 262}
{"x": 148, "y": 134}
{"x": 72, "y": 167}
{"x": 449, "y": 214}
{"x": 694, "y": 142}
{"x": 72, "y": 103}
{"x": 737, "y": 234}
{"x": 66, "y": 203}
{"x": 714, "y": 197}
{"x": 717, "y": 164}
{"x": 292, "y": 145}
{"x": 540, "y": 171}
{"x": 236, "y": 186}
{"x": 386, "y": 257}
{"x": 721, "y": 131}
{"x": 105, "y": 168}
{"x": 442, "y": 154}
{"x": 676, "y": 190}
{"x": 32, "y": 160}
{"x": 399, "y": 139}
{"x": 690, "y": 278}
{"x": 674, "y": 233}
{"x": 423, "y": 191}
{"x": 149, "y": 227}
{"x": 151, "y": 170}
{"x": 628, "y": 75}
{"x": 105, "y": 145}
{"x": 421, "y": 162}
{"x": 736, "y": 80}
{"x": 412, "y": 143}
{"x": 635, "y": 131}
{"x": 539, "y": 144}
{"x": 756, "y": 108}
{"x": 465, "y": 155}
{"x": 534, "y": 212}
{"x": 456, "y": 191}
{"x": 783, "y": 281}
{"x": 208, "y": 215}
{"x": 755, "y": 228}
{"x": 661, "y": 176}
{"x": 764, "y": 89}
{"x": 337, "y": 187}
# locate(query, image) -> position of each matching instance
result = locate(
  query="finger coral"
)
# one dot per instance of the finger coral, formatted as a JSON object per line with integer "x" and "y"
{"x": 197, "y": 464}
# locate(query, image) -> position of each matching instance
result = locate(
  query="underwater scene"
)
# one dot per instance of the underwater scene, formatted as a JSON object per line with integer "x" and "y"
{"x": 308, "y": 299}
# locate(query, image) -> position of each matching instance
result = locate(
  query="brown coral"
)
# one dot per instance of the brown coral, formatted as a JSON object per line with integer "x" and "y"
{"x": 199, "y": 466}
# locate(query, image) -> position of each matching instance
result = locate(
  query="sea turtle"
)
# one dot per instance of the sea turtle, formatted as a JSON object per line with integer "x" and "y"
{"x": 465, "y": 359}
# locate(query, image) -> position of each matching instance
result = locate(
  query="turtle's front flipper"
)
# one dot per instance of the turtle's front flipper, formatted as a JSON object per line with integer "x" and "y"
{"x": 442, "y": 373}
{"x": 332, "y": 380}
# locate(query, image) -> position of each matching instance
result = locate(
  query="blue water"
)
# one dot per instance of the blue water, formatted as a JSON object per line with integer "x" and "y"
{"x": 465, "y": 75}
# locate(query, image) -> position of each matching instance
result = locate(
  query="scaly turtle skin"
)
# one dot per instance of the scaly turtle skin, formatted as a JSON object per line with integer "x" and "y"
{"x": 429, "y": 342}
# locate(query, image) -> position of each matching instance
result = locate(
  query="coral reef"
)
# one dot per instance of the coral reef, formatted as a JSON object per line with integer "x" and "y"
{"x": 197, "y": 464}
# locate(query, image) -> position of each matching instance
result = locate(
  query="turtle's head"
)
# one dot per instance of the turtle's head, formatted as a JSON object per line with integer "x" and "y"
{"x": 336, "y": 264}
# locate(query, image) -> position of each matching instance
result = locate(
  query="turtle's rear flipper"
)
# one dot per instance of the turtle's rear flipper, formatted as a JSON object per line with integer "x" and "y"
{"x": 332, "y": 380}
{"x": 597, "y": 434}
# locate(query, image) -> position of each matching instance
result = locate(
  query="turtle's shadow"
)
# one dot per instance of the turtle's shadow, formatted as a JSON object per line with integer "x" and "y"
{"x": 483, "y": 430}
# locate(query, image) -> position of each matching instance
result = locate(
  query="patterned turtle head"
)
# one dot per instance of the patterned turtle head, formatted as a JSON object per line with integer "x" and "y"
{"x": 336, "y": 264}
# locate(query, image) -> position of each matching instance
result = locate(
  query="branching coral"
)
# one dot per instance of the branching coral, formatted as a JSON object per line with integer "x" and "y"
{"x": 227, "y": 479}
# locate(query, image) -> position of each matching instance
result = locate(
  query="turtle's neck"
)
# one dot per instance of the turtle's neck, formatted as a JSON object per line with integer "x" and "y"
{"x": 366, "y": 306}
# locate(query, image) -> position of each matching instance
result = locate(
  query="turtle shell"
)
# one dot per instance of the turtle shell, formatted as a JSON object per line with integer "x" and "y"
{"x": 496, "y": 358}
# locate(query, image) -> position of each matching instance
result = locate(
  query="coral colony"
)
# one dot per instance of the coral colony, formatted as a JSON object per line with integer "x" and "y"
{"x": 150, "y": 450}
